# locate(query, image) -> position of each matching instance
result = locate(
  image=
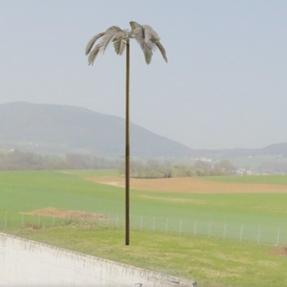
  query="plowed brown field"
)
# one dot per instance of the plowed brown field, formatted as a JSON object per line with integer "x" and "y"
{"x": 190, "y": 185}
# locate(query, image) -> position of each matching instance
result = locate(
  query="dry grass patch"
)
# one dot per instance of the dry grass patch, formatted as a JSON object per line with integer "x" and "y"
{"x": 66, "y": 214}
{"x": 280, "y": 251}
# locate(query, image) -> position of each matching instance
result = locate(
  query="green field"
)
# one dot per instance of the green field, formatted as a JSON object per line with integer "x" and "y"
{"x": 219, "y": 239}
{"x": 272, "y": 179}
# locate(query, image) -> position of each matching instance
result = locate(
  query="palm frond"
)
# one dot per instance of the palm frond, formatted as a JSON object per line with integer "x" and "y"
{"x": 92, "y": 42}
{"x": 134, "y": 25}
{"x": 147, "y": 53}
{"x": 120, "y": 41}
{"x": 162, "y": 50}
{"x": 120, "y": 45}
{"x": 113, "y": 34}
{"x": 137, "y": 32}
{"x": 148, "y": 39}
{"x": 150, "y": 34}
{"x": 110, "y": 35}
{"x": 93, "y": 54}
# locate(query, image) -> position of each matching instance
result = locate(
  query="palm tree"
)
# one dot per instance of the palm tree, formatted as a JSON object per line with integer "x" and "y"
{"x": 148, "y": 40}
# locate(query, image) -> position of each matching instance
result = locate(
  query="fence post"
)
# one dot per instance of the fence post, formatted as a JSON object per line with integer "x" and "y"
{"x": 241, "y": 231}
{"x": 195, "y": 227}
{"x": 209, "y": 229}
{"x": 117, "y": 222}
{"x": 224, "y": 230}
{"x": 277, "y": 242}
{"x": 258, "y": 234}
{"x": 39, "y": 221}
{"x": 153, "y": 224}
{"x": 166, "y": 224}
{"x": 2, "y": 219}
{"x": 5, "y": 220}
{"x": 141, "y": 223}
{"x": 180, "y": 226}
{"x": 22, "y": 220}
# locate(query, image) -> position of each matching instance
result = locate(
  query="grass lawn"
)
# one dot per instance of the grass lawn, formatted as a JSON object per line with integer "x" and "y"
{"x": 164, "y": 237}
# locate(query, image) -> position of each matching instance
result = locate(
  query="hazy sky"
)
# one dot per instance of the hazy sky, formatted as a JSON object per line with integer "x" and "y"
{"x": 224, "y": 86}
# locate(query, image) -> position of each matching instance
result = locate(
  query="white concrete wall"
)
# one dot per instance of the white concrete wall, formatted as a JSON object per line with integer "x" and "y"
{"x": 28, "y": 263}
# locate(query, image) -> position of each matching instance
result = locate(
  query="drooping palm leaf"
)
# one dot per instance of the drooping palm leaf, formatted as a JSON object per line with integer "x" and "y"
{"x": 137, "y": 32}
{"x": 148, "y": 40}
{"x": 93, "y": 54}
{"x": 110, "y": 34}
{"x": 113, "y": 34}
{"x": 119, "y": 46}
{"x": 162, "y": 50}
{"x": 92, "y": 42}
{"x": 150, "y": 34}
{"x": 120, "y": 41}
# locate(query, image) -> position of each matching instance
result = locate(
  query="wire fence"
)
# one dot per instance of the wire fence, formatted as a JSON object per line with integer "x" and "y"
{"x": 259, "y": 233}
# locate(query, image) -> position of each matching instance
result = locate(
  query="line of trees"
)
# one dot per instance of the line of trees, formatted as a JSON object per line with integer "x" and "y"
{"x": 157, "y": 169}
{"x": 21, "y": 160}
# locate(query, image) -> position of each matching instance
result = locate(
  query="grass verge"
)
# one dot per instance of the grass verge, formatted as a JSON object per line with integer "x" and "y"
{"x": 212, "y": 262}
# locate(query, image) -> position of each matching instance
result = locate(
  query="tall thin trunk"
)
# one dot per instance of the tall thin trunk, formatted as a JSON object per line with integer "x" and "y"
{"x": 127, "y": 163}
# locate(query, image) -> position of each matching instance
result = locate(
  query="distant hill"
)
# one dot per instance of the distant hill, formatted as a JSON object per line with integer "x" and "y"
{"x": 276, "y": 149}
{"x": 67, "y": 129}
{"x": 62, "y": 129}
